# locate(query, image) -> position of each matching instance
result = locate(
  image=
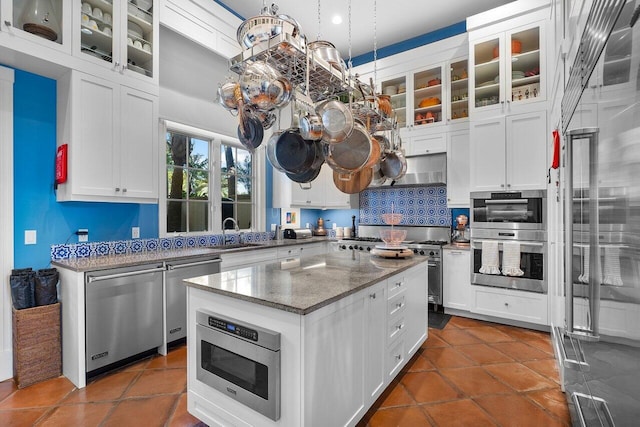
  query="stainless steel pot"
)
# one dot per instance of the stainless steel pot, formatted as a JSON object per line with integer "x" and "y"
{"x": 311, "y": 127}
{"x": 326, "y": 51}
{"x": 293, "y": 153}
{"x": 264, "y": 88}
{"x": 264, "y": 27}
{"x": 352, "y": 154}
{"x": 337, "y": 121}
{"x": 394, "y": 165}
{"x": 226, "y": 96}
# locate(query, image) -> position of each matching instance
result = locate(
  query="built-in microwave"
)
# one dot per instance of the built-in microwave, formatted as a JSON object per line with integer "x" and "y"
{"x": 240, "y": 360}
{"x": 513, "y": 210}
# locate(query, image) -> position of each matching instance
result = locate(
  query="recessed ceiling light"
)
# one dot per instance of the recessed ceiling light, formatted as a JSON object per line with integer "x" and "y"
{"x": 337, "y": 19}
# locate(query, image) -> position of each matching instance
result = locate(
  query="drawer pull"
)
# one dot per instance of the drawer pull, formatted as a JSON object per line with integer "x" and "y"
{"x": 372, "y": 296}
{"x": 398, "y": 284}
{"x": 399, "y": 357}
{"x": 400, "y": 326}
{"x": 399, "y": 305}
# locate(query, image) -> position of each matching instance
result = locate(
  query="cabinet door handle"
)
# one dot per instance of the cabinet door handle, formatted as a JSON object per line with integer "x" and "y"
{"x": 398, "y": 284}
{"x": 399, "y": 356}
{"x": 7, "y": 23}
{"x": 506, "y": 304}
{"x": 502, "y": 185}
{"x": 124, "y": 190}
{"x": 508, "y": 185}
{"x": 372, "y": 296}
{"x": 400, "y": 326}
{"x": 117, "y": 189}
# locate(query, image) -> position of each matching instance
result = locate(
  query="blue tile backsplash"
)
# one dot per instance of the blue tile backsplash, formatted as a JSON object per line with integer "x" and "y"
{"x": 418, "y": 205}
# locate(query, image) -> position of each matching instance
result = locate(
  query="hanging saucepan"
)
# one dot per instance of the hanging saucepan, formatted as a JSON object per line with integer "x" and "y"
{"x": 226, "y": 96}
{"x": 250, "y": 131}
{"x": 312, "y": 173}
{"x": 264, "y": 88}
{"x": 357, "y": 182}
{"x": 337, "y": 121}
{"x": 385, "y": 145}
{"x": 352, "y": 154}
{"x": 293, "y": 153}
{"x": 311, "y": 127}
{"x": 271, "y": 150}
{"x": 376, "y": 153}
{"x": 394, "y": 165}
{"x": 378, "y": 178}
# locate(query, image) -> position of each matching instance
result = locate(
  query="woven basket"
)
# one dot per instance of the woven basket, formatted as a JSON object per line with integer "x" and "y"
{"x": 37, "y": 355}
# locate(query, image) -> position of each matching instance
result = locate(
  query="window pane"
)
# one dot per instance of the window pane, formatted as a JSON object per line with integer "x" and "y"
{"x": 198, "y": 216}
{"x": 243, "y": 165}
{"x": 226, "y": 158}
{"x": 176, "y": 216}
{"x": 199, "y": 184}
{"x": 244, "y": 215}
{"x": 176, "y": 183}
{"x": 228, "y": 186}
{"x": 199, "y": 154}
{"x": 176, "y": 149}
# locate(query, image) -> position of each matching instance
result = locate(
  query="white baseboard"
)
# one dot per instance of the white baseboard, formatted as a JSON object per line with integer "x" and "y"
{"x": 6, "y": 365}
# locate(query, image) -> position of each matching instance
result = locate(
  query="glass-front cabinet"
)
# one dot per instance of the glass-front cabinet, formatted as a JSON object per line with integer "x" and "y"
{"x": 427, "y": 97}
{"x": 121, "y": 33}
{"x": 459, "y": 90}
{"x": 45, "y": 22}
{"x": 397, "y": 90}
{"x": 508, "y": 69}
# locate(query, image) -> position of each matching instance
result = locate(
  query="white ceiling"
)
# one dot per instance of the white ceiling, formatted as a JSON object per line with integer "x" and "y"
{"x": 397, "y": 20}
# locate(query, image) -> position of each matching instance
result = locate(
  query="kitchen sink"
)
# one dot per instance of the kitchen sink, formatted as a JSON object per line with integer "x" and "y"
{"x": 235, "y": 246}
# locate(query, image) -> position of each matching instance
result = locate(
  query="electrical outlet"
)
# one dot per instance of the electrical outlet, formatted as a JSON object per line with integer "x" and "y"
{"x": 273, "y": 227}
{"x": 83, "y": 234}
{"x": 135, "y": 232}
{"x": 30, "y": 237}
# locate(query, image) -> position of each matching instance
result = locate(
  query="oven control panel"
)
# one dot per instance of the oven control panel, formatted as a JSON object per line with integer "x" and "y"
{"x": 233, "y": 328}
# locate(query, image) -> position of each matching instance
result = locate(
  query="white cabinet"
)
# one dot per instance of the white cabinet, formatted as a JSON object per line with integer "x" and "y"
{"x": 424, "y": 141}
{"x": 302, "y": 250}
{"x": 416, "y": 314}
{"x": 120, "y": 35}
{"x": 523, "y": 306}
{"x": 16, "y": 20}
{"x": 319, "y": 194}
{"x": 111, "y": 132}
{"x": 509, "y": 153}
{"x": 456, "y": 279}
{"x": 458, "y": 169}
{"x": 508, "y": 68}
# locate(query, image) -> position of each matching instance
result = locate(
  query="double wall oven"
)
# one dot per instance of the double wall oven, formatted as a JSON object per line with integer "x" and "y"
{"x": 498, "y": 218}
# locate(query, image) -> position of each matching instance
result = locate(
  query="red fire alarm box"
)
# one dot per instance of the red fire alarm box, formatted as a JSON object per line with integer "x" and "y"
{"x": 61, "y": 164}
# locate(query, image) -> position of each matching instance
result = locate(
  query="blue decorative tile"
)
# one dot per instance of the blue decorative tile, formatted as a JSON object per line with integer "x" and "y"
{"x": 120, "y": 247}
{"x": 137, "y": 247}
{"x": 202, "y": 240}
{"x": 83, "y": 250}
{"x": 178, "y": 243}
{"x": 151, "y": 245}
{"x": 165, "y": 243}
{"x": 102, "y": 249}
{"x": 418, "y": 205}
{"x": 192, "y": 242}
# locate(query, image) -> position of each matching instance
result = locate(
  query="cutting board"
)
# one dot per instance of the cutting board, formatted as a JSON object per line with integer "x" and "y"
{"x": 357, "y": 182}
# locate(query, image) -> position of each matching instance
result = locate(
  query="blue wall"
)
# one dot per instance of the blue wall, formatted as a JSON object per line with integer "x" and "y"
{"x": 35, "y": 206}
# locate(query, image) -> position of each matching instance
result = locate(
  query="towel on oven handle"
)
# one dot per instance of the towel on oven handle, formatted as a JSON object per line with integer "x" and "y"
{"x": 612, "y": 266}
{"x": 490, "y": 258}
{"x": 511, "y": 259}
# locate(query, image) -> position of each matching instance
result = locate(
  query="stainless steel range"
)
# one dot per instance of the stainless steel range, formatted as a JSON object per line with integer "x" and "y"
{"x": 423, "y": 241}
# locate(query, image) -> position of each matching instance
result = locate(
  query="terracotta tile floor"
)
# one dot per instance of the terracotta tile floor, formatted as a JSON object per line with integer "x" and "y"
{"x": 471, "y": 373}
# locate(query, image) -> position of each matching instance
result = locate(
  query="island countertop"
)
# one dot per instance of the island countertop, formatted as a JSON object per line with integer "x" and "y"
{"x": 303, "y": 285}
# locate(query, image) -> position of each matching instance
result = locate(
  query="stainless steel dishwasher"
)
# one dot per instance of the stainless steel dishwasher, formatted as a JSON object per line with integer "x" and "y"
{"x": 176, "y": 291}
{"x": 123, "y": 314}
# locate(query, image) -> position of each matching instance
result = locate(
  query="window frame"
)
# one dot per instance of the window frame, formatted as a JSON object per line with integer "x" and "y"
{"x": 258, "y": 215}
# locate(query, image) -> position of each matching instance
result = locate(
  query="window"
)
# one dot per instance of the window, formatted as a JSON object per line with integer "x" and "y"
{"x": 208, "y": 178}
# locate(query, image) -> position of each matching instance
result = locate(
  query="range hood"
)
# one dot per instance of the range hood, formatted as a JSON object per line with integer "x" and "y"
{"x": 427, "y": 170}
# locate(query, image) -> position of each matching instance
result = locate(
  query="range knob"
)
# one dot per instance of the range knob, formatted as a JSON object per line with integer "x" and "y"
{"x": 415, "y": 251}
{"x": 432, "y": 253}
{"x": 343, "y": 246}
{"x": 351, "y": 247}
{"x": 421, "y": 252}
{"x": 360, "y": 248}
{"x": 368, "y": 248}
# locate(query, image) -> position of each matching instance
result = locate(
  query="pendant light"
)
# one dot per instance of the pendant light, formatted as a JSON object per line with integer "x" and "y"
{"x": 39, "y": 18}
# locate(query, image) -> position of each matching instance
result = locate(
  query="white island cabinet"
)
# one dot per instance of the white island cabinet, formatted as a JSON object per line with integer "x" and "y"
{"x": 335, "y": 359}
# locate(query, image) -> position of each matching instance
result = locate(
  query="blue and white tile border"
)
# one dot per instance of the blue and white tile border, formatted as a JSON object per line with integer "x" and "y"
{"x": 129, "y": 247}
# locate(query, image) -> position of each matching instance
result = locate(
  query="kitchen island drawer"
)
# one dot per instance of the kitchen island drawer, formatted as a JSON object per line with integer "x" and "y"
{"x": 395, "y": 358}
{"x": 395, "y": 328}
{"x": 515, "y": 305}
{"x": 396, "y": 304}
{"x": 396, "y": 286}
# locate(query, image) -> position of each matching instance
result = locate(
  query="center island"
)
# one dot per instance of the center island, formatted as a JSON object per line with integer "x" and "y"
{"x": 302, "y": 342}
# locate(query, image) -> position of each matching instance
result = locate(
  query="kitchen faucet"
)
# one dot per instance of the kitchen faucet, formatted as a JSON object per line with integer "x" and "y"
{"x": 235, "y": 227}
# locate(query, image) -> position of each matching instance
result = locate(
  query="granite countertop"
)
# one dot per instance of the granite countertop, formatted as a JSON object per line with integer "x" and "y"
{"x": 129, "y": 260}
{"x": 304, "y": 284}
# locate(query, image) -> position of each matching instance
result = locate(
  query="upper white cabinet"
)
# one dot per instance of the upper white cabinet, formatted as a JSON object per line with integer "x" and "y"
{"x": 458, "y": 169}
{"x": 24, "y": 19}
{"x": 111, "y": 132}
{"x": 509, "y": 153}
{"x": 120, "y": 35}
{"x": 508, "y": 69}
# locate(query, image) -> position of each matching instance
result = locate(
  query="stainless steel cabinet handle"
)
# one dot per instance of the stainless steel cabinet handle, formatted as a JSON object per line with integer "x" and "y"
{"x": 398, "y": 284}
{"x": 91, "y": 279}
{"x": 506, "y": 304}
{"x": 117, "y": 189}
{"x": 400, "y": 326}
{"x": 192, "y": 264}
{"x": 124, "y": 190}
{"x": 372, "y": 296}
{"x": 399, "y": 305}
{"x": 456, "y": 252}
{"x": 399, "y": 356}
{"x": 502, "y": 185}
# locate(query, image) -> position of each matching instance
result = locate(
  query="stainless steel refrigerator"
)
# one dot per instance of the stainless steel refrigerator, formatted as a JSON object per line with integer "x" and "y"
{"x": 598, "y": 347}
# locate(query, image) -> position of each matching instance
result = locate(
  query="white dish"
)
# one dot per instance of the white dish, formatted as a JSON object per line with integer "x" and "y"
{"x": 134, "y": 29}
{"x": 143, "y": 4}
